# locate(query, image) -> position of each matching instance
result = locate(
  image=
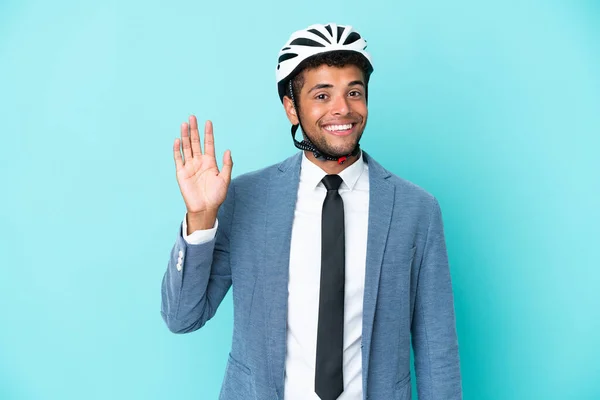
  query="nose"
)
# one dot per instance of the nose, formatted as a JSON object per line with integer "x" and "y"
{"x": 339, "y": 105}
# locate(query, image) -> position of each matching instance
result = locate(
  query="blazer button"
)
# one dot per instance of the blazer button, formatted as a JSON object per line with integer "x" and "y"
{"x": 179, "y": 267}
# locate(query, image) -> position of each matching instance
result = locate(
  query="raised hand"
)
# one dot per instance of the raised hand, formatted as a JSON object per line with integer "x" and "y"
{"x": 202, "y": 185}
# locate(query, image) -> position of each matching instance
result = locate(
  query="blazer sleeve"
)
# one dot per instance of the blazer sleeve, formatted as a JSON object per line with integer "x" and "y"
{"x": 434, "y": 339}
{"x": 192, "y": 293}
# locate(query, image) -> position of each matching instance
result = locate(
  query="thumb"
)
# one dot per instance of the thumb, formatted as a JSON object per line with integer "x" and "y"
{"x": 227, "y": 166}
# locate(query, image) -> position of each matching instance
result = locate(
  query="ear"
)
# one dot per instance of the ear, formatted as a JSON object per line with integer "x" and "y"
{"x": 290, "y": 110}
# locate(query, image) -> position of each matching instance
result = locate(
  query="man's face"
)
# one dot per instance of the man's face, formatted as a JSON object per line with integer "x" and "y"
{"x": 333, "y": 108}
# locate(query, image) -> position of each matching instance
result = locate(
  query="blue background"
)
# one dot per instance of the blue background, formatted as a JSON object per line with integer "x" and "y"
{"x": 494, "y": 107}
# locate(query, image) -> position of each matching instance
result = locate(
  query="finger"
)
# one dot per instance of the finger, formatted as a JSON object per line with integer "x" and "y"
{"x": 209, "y": 139}
{"x": 195, "y": 136}
{"x": 227, "y": 166}
{"x": 185, "y": 140}
{"x": 177, "y": 154}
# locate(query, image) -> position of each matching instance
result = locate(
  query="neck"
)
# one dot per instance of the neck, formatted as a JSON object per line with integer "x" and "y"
{"x": 331, "y": 167}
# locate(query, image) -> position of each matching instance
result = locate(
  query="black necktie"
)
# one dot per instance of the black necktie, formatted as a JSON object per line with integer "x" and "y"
{"x": 329, "y": 383}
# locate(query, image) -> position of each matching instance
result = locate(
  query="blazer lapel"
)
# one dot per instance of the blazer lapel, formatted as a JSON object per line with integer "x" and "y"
{"x": 381, "y": 204}
{"x": 279, "y": 209}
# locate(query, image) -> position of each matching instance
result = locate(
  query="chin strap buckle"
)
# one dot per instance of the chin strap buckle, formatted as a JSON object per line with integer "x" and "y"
{"x": 341, "y": 160}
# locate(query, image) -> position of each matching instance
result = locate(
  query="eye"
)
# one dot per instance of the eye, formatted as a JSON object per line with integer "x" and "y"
{"x": 355, "y": 93}
{"x": 321, "y": 96}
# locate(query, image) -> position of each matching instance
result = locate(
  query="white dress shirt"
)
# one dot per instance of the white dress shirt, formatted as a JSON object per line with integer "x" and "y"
{"x": 305, "y": 275}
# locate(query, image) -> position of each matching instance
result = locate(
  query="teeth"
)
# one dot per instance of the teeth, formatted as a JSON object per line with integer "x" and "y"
{"x": 332, "y": 128}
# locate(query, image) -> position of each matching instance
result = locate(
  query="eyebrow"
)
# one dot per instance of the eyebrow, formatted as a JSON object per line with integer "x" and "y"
{"x": 354, "y": 83}
{"x": 329, "y": 86}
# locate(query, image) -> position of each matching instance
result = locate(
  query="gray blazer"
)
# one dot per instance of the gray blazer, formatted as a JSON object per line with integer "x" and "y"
{"x": 408, "y": 291}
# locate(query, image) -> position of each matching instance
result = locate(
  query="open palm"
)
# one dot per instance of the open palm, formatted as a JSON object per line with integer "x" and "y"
{"x": 202, "y": 185}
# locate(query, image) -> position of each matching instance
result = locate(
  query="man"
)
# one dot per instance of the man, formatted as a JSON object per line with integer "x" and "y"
{"x": 334, "y": 261}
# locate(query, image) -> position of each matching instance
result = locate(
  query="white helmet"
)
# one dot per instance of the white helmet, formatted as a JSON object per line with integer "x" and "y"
{"x": 317, "y": 39}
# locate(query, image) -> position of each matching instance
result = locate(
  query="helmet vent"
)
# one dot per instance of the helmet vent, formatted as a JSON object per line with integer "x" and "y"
{"x": 306, "y": 42}
{"x": 340, "y": 30}
{"x": 287, "y": 56}
{"x": 353, "y": 37}
{"x": 316, "y": 32}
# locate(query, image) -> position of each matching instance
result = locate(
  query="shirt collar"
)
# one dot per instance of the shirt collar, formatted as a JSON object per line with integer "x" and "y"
{"x": 311, "y": 174}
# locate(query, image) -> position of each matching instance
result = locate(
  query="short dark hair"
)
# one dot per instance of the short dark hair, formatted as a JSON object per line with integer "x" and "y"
{"x": 338, "y": 58}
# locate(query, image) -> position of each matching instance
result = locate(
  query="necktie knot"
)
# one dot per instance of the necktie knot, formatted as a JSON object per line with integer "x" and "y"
{"x": 332, "y": 182}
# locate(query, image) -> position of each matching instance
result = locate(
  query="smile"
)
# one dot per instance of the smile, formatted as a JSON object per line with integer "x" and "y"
{"x": 340, "y": 130}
